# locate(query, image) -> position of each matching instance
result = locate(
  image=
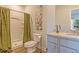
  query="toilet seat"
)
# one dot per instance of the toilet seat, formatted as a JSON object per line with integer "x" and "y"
{"x": 30, "y": 43}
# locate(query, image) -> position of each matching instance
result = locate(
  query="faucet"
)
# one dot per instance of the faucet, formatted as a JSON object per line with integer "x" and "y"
{"x": 58, "y": 27}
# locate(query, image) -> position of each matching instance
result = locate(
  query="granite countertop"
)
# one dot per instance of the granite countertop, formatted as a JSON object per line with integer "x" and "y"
{"x": 70, "y": 36}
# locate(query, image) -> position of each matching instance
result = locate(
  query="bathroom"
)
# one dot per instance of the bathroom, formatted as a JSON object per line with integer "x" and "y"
{"x": 45, "y": 22}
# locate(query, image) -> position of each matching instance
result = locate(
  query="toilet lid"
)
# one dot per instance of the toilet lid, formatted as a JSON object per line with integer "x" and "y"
{"x": 30, "y": 43}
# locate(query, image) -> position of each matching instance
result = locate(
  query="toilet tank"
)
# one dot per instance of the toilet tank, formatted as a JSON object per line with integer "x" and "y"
{"x": 37, "y": 37}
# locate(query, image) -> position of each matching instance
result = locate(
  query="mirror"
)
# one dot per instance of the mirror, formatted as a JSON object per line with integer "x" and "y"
{"x": 75, "y": 19}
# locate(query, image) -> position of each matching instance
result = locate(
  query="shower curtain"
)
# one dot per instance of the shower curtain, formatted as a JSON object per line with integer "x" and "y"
{"x": 5, "y": 38}
{"x": 27, "y": 29}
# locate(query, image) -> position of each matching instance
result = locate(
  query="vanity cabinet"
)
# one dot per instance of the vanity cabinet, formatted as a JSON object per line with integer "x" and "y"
{"x": 58, "y": 44}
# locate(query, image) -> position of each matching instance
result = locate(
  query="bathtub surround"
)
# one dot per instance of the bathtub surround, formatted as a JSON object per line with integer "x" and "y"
{"x": 27, "y": 29}
{"x": 17, "y": 28}
{"x": 5, "y": 38}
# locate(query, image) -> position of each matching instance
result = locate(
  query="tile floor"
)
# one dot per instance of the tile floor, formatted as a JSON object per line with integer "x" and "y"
{"x": 23, "y": 50}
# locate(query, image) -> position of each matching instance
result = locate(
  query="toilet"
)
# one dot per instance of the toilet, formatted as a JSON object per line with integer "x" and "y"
{"x": 31, "y": 45}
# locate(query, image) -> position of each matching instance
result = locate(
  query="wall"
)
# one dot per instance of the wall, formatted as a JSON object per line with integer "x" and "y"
{"x": 33, "y": 10}
{"x": 48, "y": 22}
{"x": 49, "y": 17}
{"x": 63, "y": 16}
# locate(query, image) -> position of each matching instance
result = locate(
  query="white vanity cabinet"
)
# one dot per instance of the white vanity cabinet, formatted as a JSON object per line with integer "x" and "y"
{"x": 62, "y": 44}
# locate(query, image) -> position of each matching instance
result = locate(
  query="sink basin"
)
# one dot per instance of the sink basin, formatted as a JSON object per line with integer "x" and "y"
{"x": 68, "y": 33}
{"x": 71, "y": 34}
{"x": 63, "y": 33}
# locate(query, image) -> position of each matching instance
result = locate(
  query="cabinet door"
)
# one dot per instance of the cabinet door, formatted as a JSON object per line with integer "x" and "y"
{"x": 52, "y": 48}
{"x": 66, "y": 50}
{"x": 70, "y": 44}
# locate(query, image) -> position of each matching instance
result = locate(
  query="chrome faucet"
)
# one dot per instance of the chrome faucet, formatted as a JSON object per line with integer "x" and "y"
{"x": 58, "y": 27}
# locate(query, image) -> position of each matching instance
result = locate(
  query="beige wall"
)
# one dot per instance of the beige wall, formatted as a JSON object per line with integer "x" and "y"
{"x": 48, "y": 22}
{"x": 63, "y": 16}
{"x": 33, "y": 10}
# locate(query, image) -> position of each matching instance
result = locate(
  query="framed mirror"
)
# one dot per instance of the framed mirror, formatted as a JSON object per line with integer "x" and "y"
{"x": 75, "y": 19}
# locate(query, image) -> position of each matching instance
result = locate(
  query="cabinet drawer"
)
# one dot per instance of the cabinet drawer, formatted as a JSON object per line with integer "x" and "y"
{"x": 66, "y": 50}
{"x": 52, "y": 39}
{"x": 70, "y": 44}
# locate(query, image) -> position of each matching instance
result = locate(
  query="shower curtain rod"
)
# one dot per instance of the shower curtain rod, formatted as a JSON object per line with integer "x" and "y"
{"x": 13, "y": 10}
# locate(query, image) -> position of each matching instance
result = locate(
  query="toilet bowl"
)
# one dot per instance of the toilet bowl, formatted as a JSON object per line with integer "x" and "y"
{"x": 31, "y": 45}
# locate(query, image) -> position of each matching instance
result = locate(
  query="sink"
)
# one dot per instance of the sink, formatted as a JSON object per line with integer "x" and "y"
{"x": 72, "y": 34}
{"x": 63, "y": 33}
{"x": 68, "y": 33}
